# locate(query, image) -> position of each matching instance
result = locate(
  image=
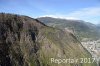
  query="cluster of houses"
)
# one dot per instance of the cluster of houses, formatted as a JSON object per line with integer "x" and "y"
{"x": 94, "y": 48}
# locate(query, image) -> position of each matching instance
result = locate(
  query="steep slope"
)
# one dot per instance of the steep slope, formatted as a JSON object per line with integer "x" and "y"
{"x": 81, "y": 29}
{"x": 25, "y": 41}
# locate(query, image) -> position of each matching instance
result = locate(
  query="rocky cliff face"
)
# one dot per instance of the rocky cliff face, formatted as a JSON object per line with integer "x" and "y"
{"x": 25, "y": 41}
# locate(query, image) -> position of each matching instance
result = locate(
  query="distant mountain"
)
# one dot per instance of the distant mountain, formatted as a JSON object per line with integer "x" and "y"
{"x": 25, "y": 41}
{"x": 80, "y": 28}
{"x": 98, "y": 26}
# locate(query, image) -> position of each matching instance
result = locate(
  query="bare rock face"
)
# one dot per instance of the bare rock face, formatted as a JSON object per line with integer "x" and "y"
{"x": 25, "y": 41}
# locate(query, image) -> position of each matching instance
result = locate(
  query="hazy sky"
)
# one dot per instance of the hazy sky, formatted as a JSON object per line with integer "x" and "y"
{"x": 88, "y": 10}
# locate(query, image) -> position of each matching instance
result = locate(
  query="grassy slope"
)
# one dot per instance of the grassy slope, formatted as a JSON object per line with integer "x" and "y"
{"x": 58, "y": 43}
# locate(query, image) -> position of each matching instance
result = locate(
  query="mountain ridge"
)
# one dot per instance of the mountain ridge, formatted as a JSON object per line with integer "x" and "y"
{"x": 81, "y": 28}
{"x": 25, "y": 41}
